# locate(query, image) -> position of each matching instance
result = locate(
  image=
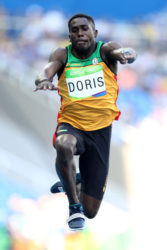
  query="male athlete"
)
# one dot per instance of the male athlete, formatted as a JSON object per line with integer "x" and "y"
{"x": 87, "y": 85}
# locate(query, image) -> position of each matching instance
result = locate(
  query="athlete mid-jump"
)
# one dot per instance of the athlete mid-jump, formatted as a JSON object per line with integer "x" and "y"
{"x": 87, "y": 84}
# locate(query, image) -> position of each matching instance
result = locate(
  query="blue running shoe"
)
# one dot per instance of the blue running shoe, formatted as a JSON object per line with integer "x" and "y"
{"x": 76, "y": 220}
{"x": 58, "y": 187}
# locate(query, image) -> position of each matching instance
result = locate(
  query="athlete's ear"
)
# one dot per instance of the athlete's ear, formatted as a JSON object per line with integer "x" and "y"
{"x": 95, "y": 33}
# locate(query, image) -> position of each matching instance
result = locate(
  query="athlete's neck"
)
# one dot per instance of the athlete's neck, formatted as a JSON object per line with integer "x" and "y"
{"x": 83, "y": 54}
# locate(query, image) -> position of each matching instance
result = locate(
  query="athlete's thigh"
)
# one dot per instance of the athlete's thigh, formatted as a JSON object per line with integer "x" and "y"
{"x": 68, "y": 135}
{"x": 93, "y": 174}
{"x": 94, "y": 163}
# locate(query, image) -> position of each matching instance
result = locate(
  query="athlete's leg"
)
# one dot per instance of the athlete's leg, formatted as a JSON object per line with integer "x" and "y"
{"x": 90, "y": 205}
{"x": 93, "y": 184}
{"x": 65, "y": 145}
{"x": 94, "y": 166}
{"x": 69, "y": 142}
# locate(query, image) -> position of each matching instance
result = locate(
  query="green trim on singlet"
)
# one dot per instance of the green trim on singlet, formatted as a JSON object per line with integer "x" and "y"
{"x": 72, "y": 61}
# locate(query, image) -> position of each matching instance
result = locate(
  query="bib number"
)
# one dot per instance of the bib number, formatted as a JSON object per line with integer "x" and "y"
{"x": 85, "y": 82}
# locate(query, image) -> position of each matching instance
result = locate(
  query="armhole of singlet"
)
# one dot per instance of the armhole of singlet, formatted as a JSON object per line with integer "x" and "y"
{"x": 68, "y": 48}
{"x": 103, "y": 59}
{"x": 62, "y": 69}
{"x": 99, "y": 49}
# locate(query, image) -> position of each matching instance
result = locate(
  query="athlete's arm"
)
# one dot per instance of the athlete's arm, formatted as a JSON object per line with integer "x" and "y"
{"x": 114, "y": 51}
{"x": 56, "y": 61}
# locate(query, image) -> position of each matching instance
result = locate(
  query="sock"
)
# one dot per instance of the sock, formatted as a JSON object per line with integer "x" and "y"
{"x": 77, "y": 204}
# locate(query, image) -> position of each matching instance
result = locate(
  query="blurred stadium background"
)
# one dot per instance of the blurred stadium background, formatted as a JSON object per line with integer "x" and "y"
{"x": 133, "y": 214}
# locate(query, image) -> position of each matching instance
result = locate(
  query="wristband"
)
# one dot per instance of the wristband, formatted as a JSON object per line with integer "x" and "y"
{"x": 37, "y": 82}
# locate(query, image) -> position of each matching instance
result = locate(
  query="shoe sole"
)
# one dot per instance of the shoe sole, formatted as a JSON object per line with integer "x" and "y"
{"x": 77, "y": 229}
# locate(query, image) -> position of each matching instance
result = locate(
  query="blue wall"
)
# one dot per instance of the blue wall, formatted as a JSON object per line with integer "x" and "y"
{"x": 111, "y": 9}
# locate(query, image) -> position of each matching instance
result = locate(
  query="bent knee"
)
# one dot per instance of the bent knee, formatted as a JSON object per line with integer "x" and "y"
{"x": 65, "y": 148}
{"x": 90, "y": 214}
{"x": 90, "y": 205}
{"x": 65, "y": 144}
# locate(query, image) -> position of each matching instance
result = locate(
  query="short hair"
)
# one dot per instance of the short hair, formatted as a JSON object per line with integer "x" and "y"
{"x": 90, "y": 19}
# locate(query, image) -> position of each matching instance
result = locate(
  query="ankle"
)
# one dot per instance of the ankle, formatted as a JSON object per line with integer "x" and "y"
{"x": 75, "y": 205}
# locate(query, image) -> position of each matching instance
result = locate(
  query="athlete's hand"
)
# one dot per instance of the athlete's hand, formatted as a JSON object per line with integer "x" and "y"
{"x": 46, "y": 85}
{"x": 125, "y": 55}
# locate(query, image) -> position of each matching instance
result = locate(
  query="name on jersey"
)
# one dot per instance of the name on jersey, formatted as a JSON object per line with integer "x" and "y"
{"x": 85, "y": 82}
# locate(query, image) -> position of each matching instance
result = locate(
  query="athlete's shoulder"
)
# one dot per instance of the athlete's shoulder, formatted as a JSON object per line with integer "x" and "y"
{"x": 106, "y": 55}
{"x": 109, "y": 46}
{"x": 59, "y": 54}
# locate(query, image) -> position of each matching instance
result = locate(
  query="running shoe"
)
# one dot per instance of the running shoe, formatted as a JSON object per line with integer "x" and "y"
{"x": 76, "y": 220}
{"x": 58, "y": 187}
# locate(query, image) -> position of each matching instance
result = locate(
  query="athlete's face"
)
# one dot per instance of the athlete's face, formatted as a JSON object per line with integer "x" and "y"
{"x": 82, "y": 34}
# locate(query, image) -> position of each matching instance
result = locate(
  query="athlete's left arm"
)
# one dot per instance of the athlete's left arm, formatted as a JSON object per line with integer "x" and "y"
{"x": 115, "y": 51}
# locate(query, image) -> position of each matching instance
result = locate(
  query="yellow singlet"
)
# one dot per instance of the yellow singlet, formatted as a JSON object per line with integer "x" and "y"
{"x": 88, "y": 90}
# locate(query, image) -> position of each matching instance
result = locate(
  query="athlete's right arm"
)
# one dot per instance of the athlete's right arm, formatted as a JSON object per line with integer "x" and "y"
{"x": 56, "y": 61}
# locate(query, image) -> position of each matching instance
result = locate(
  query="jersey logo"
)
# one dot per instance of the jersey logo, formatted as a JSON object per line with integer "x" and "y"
{"x": 95, "y": 61}
{"x": 62, "y": 130}
{"x": 73, "y": 64}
